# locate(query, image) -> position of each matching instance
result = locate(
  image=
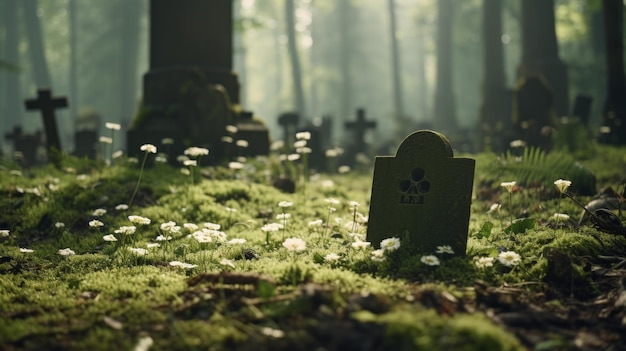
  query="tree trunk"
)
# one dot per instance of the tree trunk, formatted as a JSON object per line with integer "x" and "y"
{"x": 540, "y": 52}
{"x": 445, "y": 110}
{"x": 345, "y": 48}
{"x": 12, "y": 105}
{"x": 615, "y": 104}
{"x": 36, "y": 49}
{"x": 130, "y": 11}
{"x": 73, "y": 78}
{"x": 494, "y": 111}
{"x": 395, "y": 66}
{"x": 293, "y": 56}
{"x": 421, "y": 105}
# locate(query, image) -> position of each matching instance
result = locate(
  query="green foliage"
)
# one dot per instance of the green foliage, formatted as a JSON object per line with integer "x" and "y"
{"x": 536, "y": 167}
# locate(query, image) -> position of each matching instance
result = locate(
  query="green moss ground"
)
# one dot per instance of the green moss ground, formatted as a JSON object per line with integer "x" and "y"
{"x": 106, "y": 297}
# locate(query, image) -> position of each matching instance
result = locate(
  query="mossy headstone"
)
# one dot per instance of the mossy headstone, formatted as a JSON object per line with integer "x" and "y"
{"x": 422, "y": 194}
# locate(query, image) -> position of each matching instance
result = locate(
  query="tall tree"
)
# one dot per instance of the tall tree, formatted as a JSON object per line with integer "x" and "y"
{"x": 445, "y": 109}
{"x": 36, "y": 49}
{"x": 540, "y": 52}
{"x": 12, "y": 104}
{"x": 493, "y": 110}
{"x": 615, "y": 103}
{"x": 292, "y": 47}
{"x": 345, "y": 48}
{"x": 130, "y": 14}
{"x": 395, "y": 64}
{"x": 73, "y": 78}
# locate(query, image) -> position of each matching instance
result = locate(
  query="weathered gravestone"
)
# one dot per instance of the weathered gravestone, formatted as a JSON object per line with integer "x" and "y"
{"x": 534, "y": 114}
{"x": 86, "y": 135}
{"x": 358, "y": 129}
{"x": 190, "y": 90}
{"x": 25, "y": 146}
{"x": 255, "y": 133}
{"x": 289, "y": 121}
{"x": 423, "y": 192}
{"x": 47, "y": 105}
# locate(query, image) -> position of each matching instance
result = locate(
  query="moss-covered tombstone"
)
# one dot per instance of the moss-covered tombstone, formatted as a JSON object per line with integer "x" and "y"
{"x": 423, "y": 194}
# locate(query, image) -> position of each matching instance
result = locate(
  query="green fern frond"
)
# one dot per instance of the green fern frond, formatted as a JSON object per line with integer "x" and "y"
{"x": 536, "y": 167}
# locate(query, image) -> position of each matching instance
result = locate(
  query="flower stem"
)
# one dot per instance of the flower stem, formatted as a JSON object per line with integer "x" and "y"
{"x": 143, "y": 163}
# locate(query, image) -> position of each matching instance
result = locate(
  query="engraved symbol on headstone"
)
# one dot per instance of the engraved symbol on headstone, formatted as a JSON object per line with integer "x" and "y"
{"x": 413, "y": 190}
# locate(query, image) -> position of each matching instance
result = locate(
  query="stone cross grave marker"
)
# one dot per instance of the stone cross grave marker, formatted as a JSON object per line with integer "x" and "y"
{"x": 359, "y": 127}
{"x": 47, "y": 105}
{"x": 423, "y": 194}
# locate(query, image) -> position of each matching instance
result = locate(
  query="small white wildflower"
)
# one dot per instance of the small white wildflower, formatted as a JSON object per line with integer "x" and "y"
{"x": 182, "y": 158}
{"x": 294, "y": 244}
{"x": 343, "y": 169}
{"x": 109, "y": 237}
{"x": 227, "y": 139}
{"x": 293, "y": 157}
{"x": 153, "y": 245}
{"x": 331, "y": 201}
{"x": 508, "y": 186}
{"x": 190, "y": 226}
{"x": 560, "y": 216}
{"x": 144, "y": 344}
{"x": 517, "y": 143}
{"x": 271, "y": 227}
{"x": 562, "y": 184}
{"x": 105, "y": 140}
{"x": 283, "y": 216}
{"x": 148, "y": 148}
{"x": 378, "y": 255}
{"x": 275, "y": 333}
{"x": 117, "y": 154}
{"x": 331, "y": 153}
{"x": 447, "y": 249}
{"x": 303, "y": 135}
{"x": 139, "y": 251}
{"x": 357, "y": 236}
{"x": 139, "y": 219}
{"x": 182, "y": 264}
{"x": 121, "y": 207}
{"x": 59, "y": 225}
{"x": 236, "y": 241}
{"x": 185, "y": 171}
{"x": 483, "y": 262}
{"x": 361, "y": 244}
{"x": 25, "y": 250}
{"x": 509, "y": 258}
{"x": 353, "y": 205}
{"x": 99, "y": 212}
{"x": 331, "y": 257}
{"x": 167, "y": 226}
{"x": 212, "y": 226}
{"x": 126, "y": 229}
{"x": 299, "y": 144}
{"x": 163, "y": 238}
{"x": 285, "y": 204}
{"x": 4, "y": 233}
{"x": 494, "y": 208}
{"x": 227, "y": 262}
{"x": 315, "y": 223}
{"x": 167, "y": 141}
{"x": 196, "y": 151}
{"x": 112, "y": 126}
{"x": 236, "y": 165}
{"x": 390, "y": 244}
{"x": 304, "y": 150}
{"x": 242, "y": 143}
{"x": 95, "y": 223}
{"x": 191, "y": 163}
{"x": 231, "y": 129}
{"x": 66, "y": 252}
{"x": 160, "y": 158}
{"x": 430, "y": 260}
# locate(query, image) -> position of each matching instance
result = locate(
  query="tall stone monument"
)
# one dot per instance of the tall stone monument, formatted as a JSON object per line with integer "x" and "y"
{"x": 190, "y": 89}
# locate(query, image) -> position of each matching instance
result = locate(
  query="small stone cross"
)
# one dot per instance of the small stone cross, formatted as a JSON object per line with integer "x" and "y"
{"x": 47, "y": 104}
{"x": 360, "y": 126}
{"x": 15, "y": 135}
